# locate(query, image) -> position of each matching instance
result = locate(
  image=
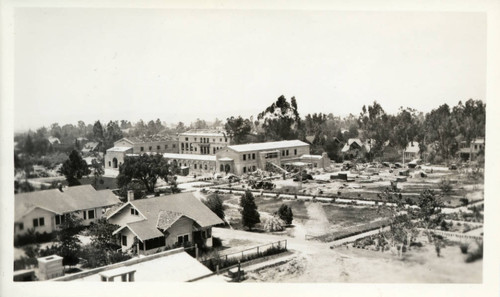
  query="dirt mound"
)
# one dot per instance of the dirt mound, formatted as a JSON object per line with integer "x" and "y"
{"x": 294, "y": 267}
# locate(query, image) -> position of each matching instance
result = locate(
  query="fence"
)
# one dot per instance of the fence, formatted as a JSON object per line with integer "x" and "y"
{"x": 223, "y": 261}
{"x": 454, "y": 234}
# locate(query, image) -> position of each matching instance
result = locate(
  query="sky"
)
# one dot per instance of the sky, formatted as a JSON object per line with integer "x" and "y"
{"x": 179, "y": 65}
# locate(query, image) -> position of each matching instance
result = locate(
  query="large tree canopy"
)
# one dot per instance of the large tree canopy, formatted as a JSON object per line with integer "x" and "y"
{"x": 238, "y": 129}
{"x": 281, "y": 120}
{"x": 74, "y": 168}
{"x": 146, "y": 169}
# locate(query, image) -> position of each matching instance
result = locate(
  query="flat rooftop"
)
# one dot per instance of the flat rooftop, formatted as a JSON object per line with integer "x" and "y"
{"x": 194, "y": 157}
{"x": 259, "y": 146}
{"x": 176, "y": 267}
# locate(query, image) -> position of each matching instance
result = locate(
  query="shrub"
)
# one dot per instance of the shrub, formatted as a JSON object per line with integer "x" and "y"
{"x": 32, "y": 237}
{"x": 216, "y": 242}
{"x": 285, "y": 213}
{"x": 464, "y": 247}
{"x": 476, "y": 254}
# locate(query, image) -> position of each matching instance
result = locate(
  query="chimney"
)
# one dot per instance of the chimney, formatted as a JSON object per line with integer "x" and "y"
{"x": 130, "y": 195}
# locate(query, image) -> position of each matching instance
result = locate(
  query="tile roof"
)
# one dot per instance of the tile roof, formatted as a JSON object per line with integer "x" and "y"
{"x": 71, "y": 199}
{"x": 267, "y": 145}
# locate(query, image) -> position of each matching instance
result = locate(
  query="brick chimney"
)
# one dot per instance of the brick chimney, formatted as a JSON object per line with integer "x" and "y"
{"x": 130, "y": 195}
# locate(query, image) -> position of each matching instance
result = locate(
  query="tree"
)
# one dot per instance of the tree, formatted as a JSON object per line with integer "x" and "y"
{"x": 238, "y": 129}
{"x": 214, "y": 202}
{"x": 402, "y": 229}
{"x": 281, "y": 120}
{"x": 471, "y": 120}
{"x": 145, "y": 169}
{"x": 442, "y": 128}
{"x": 29, "y": 147}
{"x": 405, "y": 128}
{"x": 249, "y": 214}
{"x": 285, "y": 213}
{"x": 429, "y": 210}
{"x": 199, "y": 124}
{"x": 112, "y": 134}
{"x": 376, "y": 124}
{"x": 98, "y": 171}
{"x": 69, "y": 244}
{"x": 98, "y": 131}
{"x": 101, "y": 234}
{"x": 74, "y": 168}
{"x": 180, "y": 127}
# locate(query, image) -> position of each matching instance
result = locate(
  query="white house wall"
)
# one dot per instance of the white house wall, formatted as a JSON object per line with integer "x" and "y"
{"x": 124, "y": 216}
{"x": 182, "y": 226}
{"x": 49, "y": 222}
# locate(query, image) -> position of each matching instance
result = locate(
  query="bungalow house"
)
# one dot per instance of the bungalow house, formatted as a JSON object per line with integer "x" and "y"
{"x": 44, "y": 211}
{"x": 91, "y": 147}
{"x": 412, "y": 151}
{"x": 353, "y": 146}
{"x": 470, "y": 152}
{"x": 147, "y": 225}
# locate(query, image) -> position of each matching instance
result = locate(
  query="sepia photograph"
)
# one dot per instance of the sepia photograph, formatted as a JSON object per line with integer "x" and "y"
{"x": 224, "y": 146}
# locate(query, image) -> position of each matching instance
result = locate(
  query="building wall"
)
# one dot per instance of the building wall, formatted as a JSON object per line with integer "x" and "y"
{"x": 130, "y": 239}
{"x": 182, "y": 227}
{"x": 49, "y": 222}
{"x": 200, "y": 144}
{"x": 124, "y": 217}
{"x": 120, "y": 158}
{"x": 196, "y": 166}
{"x": 245, "y": 162}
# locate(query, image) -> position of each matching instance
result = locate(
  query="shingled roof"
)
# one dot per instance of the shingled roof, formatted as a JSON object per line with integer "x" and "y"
{"x": 69, "y": 200}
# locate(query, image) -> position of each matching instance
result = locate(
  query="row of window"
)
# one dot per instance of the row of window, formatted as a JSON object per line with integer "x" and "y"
{"x": 158, "y": 147}
{"x": 249, "y": 156}
{"x": 60, "y": 219}
{"x": 203, "y": 150}
{"x": 205, "y": 139}
{"x": 250, "y": 169}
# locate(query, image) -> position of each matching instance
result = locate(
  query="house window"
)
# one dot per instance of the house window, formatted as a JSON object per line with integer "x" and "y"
{"x": 142, "y": 148}
{"x": 134, "y": 212}
{"x": 221, "y": 140}
{"x": 150, "y": 148}
{"x": 195, "y": 149}
{"x": 209, "y": 233}
{"x": 91, "y": 214}
{"x": 59, "y": 219}
{"x": 124, "y": 240}
{"x": 295, "y": 151}
{"x": 194, "y": 166}
{"x": 253, "y": 156}
{"x": 182, "y": 145}
{"x": 187, "y": 138}
{"x": 205, "y": 166}
{"x": 244, "y": 157}
{"x": 195, "y": 139}
{"x": 254, "y": 168}
{"x": 173, "y": 145}
{"x": 244, "y": 170}
{"x": 158, "y": 147}
{"x": 287, "y": 152}
{"x": 21, "y": 226}
{"x": 183, "y": 239}
{"x": 109, "y": 163}
{"x": 84, "y": 215}
{"x": 38, "y": 222}
{"x": 221, "y": 167}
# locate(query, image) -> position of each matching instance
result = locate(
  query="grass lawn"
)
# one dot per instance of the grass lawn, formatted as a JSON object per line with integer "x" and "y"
{"x": 347, "y": 216}
{"x": 272, "y": 205}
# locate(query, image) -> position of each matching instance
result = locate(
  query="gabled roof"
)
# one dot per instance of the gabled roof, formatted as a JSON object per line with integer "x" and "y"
{"x": 267, "y": 145}
{"x": 412, "y": 147}
{"x": 71, "y": 199}
{"x": 161, "y": 212}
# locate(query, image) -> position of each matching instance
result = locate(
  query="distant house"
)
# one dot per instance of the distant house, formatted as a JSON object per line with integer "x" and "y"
{"x": 165, "y": 221}
{"x": 412, "y": 151}
{"x": 91, "y": 147}
{"x": 54, "y": 140}
{"x": 470, "y": 152}
{"x": 354, "y": 146}
{"x": 44, "y": 211}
